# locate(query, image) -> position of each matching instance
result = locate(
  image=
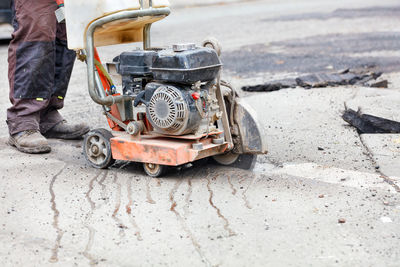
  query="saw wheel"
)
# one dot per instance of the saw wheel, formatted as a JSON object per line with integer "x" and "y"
{"x": 241, "y": 161}
{"x": 97, "y": 148}
{"x": 154, "y": 170}
{"x": 226, "y": 159}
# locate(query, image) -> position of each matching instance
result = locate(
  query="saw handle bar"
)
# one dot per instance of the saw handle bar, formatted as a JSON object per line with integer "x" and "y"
{"x": 90, "y": 50}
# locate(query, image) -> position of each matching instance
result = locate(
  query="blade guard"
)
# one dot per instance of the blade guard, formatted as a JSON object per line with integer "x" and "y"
{"x": 251, "y": 133}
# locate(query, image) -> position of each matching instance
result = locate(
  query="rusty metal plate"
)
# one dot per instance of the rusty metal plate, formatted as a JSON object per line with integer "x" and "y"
{"x": 164, "y": 151}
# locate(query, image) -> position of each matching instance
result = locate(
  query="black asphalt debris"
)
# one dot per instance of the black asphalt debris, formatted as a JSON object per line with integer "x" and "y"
{"x": 319, "y": 80}
{"x": 271, "y": 86}
{"x": 345, "y": 77}
{"x": 378, "y": 84}
{"x": 370, "y": 124}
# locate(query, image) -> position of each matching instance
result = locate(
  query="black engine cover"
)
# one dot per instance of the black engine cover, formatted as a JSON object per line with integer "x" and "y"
{"x": 185, "y": 67}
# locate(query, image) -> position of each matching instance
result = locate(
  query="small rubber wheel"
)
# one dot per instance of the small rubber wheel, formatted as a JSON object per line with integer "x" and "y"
{"x": 241, "y": 161}
{"x": 97, "y": 148}
{"x": 154, "y": 170}
{"x": 213, "y": 43}
{"x": 226, "y": 159}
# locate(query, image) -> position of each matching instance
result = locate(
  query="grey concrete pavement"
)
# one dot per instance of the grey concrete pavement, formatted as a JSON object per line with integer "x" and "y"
{"x": 56, "y": 210}
{"x": 207, "y": 215}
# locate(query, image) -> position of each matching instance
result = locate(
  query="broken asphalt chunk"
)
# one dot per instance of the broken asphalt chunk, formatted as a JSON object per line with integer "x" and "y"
{"x": 379, "y": 84}
{"x": 270, "y": 87}
{"x": 318, "y": 80}
{"x": 370, "y": 124}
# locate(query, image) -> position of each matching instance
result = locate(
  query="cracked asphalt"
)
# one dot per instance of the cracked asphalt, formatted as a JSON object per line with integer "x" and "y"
{"x": 323, "y": 196}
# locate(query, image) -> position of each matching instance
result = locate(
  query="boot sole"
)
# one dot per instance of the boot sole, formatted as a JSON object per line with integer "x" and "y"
{"x": 69, "y": 136}
{"x": 30, "y": 150}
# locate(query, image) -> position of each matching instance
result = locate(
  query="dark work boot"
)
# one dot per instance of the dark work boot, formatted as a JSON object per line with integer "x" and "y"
{"x": 30, "y": 141}
{"x": 65, "y": 130}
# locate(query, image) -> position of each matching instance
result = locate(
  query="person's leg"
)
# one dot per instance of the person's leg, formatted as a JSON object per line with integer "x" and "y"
{"x": 52, "y": 124}
{"x": 31, "y": 68}
{"x": 31, "y": 62}
{"x": 40, "y": 67}
{"x": 64, "y": 62}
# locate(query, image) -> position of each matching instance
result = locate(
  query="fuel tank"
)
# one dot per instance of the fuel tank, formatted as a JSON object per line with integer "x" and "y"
{"x": 185, "y": 65}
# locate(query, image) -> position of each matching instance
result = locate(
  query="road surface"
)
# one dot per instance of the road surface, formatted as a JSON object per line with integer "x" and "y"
{"x": 323, "y": 196}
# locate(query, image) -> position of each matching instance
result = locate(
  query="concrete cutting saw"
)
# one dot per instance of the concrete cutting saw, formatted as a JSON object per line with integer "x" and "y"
{"x": 164, "y": 106}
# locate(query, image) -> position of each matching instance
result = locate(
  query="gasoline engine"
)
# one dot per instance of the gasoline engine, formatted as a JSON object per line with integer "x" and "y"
{"x": 174, "y": 89}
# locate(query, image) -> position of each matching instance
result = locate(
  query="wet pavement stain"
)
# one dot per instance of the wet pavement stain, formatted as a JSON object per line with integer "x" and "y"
{"x": 91, "y": 230}
{"x": 92, "y": 204}
{"x": 118, "y": 221}
{"x": 210, "y": 200}
{"x": 103, "y": 187}
{"x": 128, "y": 208}
{"x": 242, "y": 178}
{"x": 172, "y": 194}
{"x": 234, "y": 191}
{"x": 158, "y": 182}
{"x": 60, "y": 233}
{"x": 189, "y": 192}
{"x": 148, "y": 192}
{"x": 89, "y": 245}
{"x": 244, "y": 193}
{"x": 182, "y": 221}
{"x": 188, "y": 196}
{"x": 101, "y": 182}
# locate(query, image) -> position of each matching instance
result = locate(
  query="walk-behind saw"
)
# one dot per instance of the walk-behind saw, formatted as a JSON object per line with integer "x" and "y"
{"x": 165, "y": 106}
